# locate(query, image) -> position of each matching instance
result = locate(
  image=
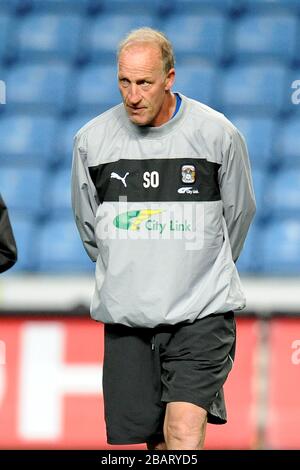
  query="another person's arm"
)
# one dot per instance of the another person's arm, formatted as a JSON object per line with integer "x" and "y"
{"x": 8, "y": 248}
{"x": 237, "y": 192}
{"x": 84, "y": 198}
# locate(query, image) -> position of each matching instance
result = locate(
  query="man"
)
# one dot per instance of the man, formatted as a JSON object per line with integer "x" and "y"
{"x": 162, "y": 197}
{"x": 8, "y": 249}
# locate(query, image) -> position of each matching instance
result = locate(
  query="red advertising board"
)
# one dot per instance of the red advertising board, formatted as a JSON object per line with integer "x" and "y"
{"x": 51, "y": 393}
{"x": 283, "y": 418}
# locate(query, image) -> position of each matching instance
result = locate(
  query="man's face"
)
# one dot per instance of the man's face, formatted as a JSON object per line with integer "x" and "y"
{"x": 143, "y": 83}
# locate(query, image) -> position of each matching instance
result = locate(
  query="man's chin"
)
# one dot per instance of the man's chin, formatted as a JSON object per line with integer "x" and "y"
{"x": 139, "y": 120}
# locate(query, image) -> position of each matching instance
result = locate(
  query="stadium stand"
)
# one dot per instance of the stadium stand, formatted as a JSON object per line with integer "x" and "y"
{"x": 265, "y": 36}
{"x": 44, "y": 37}
{"x": 59, "y": 248}
{"x": 197, "y": 36}
{"x": 5, "y": 25}
{"x": 27, "y": 139}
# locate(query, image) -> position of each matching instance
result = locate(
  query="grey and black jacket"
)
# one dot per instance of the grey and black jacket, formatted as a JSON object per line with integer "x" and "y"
{"x": 164, "y": 212}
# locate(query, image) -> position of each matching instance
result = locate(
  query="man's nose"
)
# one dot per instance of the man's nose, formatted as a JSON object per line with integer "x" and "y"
{"x": 133, "y": 95}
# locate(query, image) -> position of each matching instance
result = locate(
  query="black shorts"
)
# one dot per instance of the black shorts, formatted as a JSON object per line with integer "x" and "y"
{"x": 145, "y": 368}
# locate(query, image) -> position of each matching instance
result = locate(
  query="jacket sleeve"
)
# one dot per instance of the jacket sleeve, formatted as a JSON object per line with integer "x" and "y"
{"x": 8, "y": 248}
{"x": 237, "y": 192}
{"x": 84, "y": 198}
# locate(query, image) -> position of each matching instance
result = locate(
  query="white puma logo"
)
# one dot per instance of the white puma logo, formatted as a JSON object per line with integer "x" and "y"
{"x": 118, "y": 177}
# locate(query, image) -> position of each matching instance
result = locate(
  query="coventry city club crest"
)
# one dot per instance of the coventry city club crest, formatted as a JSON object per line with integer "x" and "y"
{"x": 188, "y": 174}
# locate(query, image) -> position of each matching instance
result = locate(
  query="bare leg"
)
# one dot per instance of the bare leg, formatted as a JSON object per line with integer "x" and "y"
{"x": 184, "y": 426}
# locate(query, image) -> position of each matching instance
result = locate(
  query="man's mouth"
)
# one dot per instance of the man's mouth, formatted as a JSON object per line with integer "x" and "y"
{"x": 137, "y": 109}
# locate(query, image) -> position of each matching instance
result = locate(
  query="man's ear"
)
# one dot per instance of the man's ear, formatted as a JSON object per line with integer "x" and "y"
{"x": 170, "y": 79}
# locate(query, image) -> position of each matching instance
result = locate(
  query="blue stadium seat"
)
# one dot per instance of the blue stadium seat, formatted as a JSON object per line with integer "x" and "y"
{"x": 5, "y": 25}
{"x": 260, "y": 178}
{"x": 67, "y": 131}
{"x": 22, "y": 189}
{"x": 59, "y": 5}
{"x": 133, "y": 6}
{"x": 259, "y": 133}
{"x": 283, "y": 193}
{"x": 196, "y": 81}
{"x": 265, "y": 36}
{"x": 60, "y": 248}
{"x": 107, "y": 30}
{"x": 9, "y": 5}
{"x": 281, "y": 247}
{"x": 27, "y": 139}
{"x": 272, "y": 5}
{"x": 38, "y": 88}
{"x": 254, "y": 88}
{"x": 25, "y": 233}
{"x": 46, "y": 37}
{"x": 197, "y": 35}
{"x": 196, "y": 6}
{"x": 97, "y": 88}
{"x": 57, "y": 196}
{"x": 288, "y": 143}
{"x": 249, "y": 261}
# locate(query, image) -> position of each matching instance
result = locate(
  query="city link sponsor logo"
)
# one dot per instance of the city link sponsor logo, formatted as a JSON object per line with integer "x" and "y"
{"x": 132, "y": 221}
{"x": 160, "y": 221}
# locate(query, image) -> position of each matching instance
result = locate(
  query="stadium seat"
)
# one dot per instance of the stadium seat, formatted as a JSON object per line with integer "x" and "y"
{"x": 59, "y": 5}
{"x": 281, "y": 247}
{"x": 5, "y": 25}
{"x": 60, "y": 248}
{"x": 38, "y": 88}
{"x": 197, "y": 81}
{"x": 22, "y": 189}
{"x": 287, "y": 144}
{"x": 44, "y": 37}
{"x": 27, "y": 139}
{"x": 201, "y": 36}
{"x": 107, "y": 30}
{"x": 272, "y": 5}
{"x": 259, "y": 133}
{"x": 9, "y": 5}
{"x": 198, "y": 6}
{"x": 263, "y": 36}
{"x": 253, "y": 89}
{"x": 67, "y": 131}
{"x": 133, "y": 6}
{"x": 249, "y": 260}
{"x": 283, "y": 193}
{"x": 57, "y": 196}
{"x": 259, "y": 177}
{"x": 97, "y": 89}
{"x": 25, "y": 233}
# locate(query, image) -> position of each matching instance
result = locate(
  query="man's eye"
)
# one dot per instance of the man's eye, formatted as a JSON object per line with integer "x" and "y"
{"x": 124, "y": 82}
{"x": 145, "y": 84}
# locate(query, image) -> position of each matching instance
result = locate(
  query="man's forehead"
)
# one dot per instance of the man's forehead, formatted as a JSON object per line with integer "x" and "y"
{"x": 140, "y": 54}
